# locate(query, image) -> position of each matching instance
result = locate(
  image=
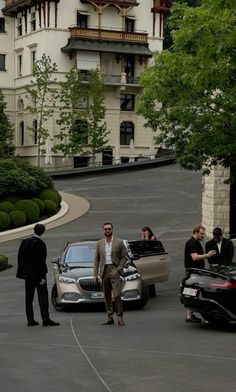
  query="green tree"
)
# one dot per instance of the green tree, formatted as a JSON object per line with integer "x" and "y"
{"x": 6, "y": 131}
{"x": 82, "y": 130}
{"x": 42, "y": 95}
{"x": 97, "y": 126}
{"x": 70, "y": 138}
{"x": 196, "y": 84}
{"x": 172, "y": 21}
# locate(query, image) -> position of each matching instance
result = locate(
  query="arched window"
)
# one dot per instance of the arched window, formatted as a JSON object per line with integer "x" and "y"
{"x": 126, "y": 132}
{"x": 35, "y": 131}
{"x": 22, "y": 132}
{"x": 20, "y": 105}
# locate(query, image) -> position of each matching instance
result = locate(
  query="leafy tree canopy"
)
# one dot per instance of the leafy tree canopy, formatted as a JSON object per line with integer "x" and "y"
{"x": 195, "y": 82}
{"x": 6, "y": 132}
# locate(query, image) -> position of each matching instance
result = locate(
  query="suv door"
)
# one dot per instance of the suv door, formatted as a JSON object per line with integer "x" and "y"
{"x": 151, "y": 260}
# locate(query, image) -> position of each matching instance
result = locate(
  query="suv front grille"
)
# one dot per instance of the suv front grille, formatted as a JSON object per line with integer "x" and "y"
{"x": 89, "y": 284}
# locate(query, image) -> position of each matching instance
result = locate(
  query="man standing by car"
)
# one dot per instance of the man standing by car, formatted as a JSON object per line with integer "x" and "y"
{"x": 223, "y": 247}
{"x": 194, "y": 258}
{"x": 110, "y": 258}
{"x": 33, "y": 269}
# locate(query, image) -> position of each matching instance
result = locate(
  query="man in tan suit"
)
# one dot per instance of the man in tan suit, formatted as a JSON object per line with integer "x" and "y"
{"x": 109, "y": 260}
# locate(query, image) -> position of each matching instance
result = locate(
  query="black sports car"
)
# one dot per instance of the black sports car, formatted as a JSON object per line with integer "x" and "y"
{"x": 212, "y": 293}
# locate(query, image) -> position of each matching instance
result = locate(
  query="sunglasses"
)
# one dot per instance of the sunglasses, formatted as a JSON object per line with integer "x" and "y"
{"x": 107, "y": 229}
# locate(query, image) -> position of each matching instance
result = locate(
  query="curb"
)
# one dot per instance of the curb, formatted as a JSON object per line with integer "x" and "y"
{"x": 72, "y": 207}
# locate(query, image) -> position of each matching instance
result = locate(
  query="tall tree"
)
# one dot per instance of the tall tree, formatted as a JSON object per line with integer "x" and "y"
{"x": 7, "y": 147}
{"x": 42, "y": 95}
{"x": 70, "y": 138}
{"x": 196, "y": 85}
{"x": 83, "y": 130}
{"x": 97, "y": 126}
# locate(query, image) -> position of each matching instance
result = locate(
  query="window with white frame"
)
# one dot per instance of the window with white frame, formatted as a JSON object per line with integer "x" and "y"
{"x": 19, "y": 27}
{"x": 33, "y": 21}
{"x": 126, "y": 133}
{"x": 2, "y": 25}
{"x": 19, "y": 65}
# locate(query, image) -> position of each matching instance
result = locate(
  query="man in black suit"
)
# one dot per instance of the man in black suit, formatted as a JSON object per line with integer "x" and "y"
{"x": 32, "y": 268}
{"x": 224, "y": 249}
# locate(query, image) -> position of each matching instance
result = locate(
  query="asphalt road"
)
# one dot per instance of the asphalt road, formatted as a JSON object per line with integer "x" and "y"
{"x": 156, "y": 350}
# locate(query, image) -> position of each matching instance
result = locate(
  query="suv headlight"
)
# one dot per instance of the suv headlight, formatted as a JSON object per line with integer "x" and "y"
{"x": 133, "y": 277}
{"x": 64, "y": 279}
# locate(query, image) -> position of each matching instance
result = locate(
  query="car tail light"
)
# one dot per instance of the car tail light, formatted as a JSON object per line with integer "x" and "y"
{"x": 221, "y": 283}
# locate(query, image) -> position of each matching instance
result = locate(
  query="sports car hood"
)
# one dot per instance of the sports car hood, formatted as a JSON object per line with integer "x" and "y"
{"x": 78, "y": 272}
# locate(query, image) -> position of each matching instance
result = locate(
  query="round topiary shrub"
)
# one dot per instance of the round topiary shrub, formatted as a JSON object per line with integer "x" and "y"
{"x": 50, "y": 207}
{"x": 12, "y": 198}
{"x": 6, "y": 206}
{"x": 59, "y": 198}
{"x": 5, "y": 221}
{"x": 30, "y": 209}
{"x": 18, "y": 218}
{"x": 3, "y": 262}
{"x": 39, "y": 203}
{"x": 49, "y": 194}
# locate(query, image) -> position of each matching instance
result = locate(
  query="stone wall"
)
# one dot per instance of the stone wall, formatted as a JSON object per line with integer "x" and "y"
{"x": 216, "y": 201}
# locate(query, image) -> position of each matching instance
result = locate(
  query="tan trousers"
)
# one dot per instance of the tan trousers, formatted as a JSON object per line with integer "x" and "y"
{"x": 112, "y": 282}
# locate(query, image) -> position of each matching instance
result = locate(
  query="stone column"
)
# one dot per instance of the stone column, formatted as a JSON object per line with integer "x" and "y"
{"x": 216, "y": 201}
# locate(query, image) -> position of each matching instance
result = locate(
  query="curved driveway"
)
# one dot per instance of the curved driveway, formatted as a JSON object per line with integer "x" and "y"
{"x": 156, "y": 350}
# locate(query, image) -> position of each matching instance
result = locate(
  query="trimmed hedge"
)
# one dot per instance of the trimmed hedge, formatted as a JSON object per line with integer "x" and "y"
{"x": 6, "y": 206}
{"x": 5, "y": 221}
{"x": 49, "y": 194}
{"x": 30, "y": 209}
{"x": 3, "y": 262}
{"x": 39, "y": 203}
{"x": 50, "y": 207}
{"x": 18, "y": 218}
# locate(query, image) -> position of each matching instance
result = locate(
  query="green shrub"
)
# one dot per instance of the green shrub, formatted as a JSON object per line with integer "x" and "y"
{"x": 49, "y": 194}
{"x": 39, "y": 203}
{"x": 6, "y": 206}
{"x": 12, "y": 198}
{"x": 19, "y": 177}
{"x": 50, "y": 207}
{"x": 30, "y": 209}
{"x": 18, "y": 218}
{"x": 59, "y": 198}
{"x": 3, "y": 262}
{"x": 5, "y": 221}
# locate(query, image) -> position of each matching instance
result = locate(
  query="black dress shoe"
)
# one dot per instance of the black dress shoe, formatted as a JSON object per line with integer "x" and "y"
{"x": 193, "y": 319}
{"x": 50, "y": 323}
{"x": 121, "y": 322}
{"x": 32, "y": 323}
{"x": 109, "y": 322}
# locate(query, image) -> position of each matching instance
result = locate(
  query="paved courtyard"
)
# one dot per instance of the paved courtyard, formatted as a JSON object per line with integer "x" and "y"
{"x": 156, "y": 350}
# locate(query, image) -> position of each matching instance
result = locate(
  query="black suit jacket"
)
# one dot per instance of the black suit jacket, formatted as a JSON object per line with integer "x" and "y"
{"x": 226, "y": 254}
{"x": 32, "y": 259}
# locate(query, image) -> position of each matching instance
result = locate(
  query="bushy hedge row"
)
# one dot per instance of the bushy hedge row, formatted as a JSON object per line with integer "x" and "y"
{"x": 16, "y": 211}
{"x": 3, "y": 262}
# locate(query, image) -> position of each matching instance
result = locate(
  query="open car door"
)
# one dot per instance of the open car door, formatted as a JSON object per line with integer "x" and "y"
{"x": 151, "y": 260}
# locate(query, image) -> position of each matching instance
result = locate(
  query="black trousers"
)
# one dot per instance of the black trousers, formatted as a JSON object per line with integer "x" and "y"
{"x": 42, "y": 292}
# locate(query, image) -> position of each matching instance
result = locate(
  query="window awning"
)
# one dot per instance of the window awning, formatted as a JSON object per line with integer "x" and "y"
{"x": 140, "y": 49}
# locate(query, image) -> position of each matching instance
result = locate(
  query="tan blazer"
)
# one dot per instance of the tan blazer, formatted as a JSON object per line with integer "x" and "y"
{"x": 118, "y": 256}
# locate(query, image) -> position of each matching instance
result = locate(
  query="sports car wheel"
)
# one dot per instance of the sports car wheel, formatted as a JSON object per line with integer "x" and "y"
{"x": 54, "y": 297}
{"x": 215, "y": 321}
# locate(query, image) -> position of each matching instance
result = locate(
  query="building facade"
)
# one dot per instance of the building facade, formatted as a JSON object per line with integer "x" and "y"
{"x": 117, "y": 36}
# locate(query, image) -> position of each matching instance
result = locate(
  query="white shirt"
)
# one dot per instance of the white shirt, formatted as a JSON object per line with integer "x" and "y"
{"x": 108, "y": 246}
{"x": 219, "y": 246}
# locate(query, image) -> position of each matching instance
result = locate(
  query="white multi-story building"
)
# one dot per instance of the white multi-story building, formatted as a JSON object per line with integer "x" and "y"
{"x": 118, "y": 36}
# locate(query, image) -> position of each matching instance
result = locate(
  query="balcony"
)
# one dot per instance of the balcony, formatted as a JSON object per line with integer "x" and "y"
{"x": 108, "y": 35}
{"x": 162, "y": 6}
{"x": 123, "y": 3}
{"x": 114, "y": 80}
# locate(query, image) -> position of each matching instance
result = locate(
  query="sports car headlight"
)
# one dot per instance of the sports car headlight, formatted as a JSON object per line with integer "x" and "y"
{"x": 64, "y": 279}
{"x": 133, "y": 276}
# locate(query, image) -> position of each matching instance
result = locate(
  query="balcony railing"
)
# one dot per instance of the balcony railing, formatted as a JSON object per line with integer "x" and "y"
{"x": 113, "y": 2}
{"x": 107, "y": 34}
{"x": 114, "y": 79}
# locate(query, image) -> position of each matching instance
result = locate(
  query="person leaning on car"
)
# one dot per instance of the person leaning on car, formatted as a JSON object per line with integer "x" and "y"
{"x": 194, "y": 257}
{"x": 32, "y": 268}
{"x": 110, "y": 258}
{"x": 223, "y": 247}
